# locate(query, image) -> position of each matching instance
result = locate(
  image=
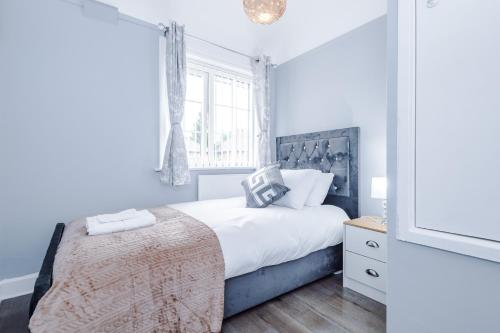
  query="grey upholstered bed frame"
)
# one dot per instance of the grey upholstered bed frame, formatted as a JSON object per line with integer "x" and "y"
{"x": 333, "y": 151}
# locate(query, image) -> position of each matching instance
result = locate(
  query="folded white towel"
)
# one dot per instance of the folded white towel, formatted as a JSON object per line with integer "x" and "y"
{"x": 143, "y": 218}
{"x": 120, "y": 216}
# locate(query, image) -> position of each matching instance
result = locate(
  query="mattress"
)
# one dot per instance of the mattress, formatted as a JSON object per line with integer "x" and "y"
{"x": 252, "y": 238}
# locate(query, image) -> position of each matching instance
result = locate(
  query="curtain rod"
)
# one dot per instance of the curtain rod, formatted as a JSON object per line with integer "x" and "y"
{"x": 163, "y": 27}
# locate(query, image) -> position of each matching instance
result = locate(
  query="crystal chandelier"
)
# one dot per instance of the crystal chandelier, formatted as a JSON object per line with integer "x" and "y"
{"x": 264, "y": 11}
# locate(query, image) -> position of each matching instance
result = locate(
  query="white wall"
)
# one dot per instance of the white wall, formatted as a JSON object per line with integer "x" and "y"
{"x": 431, "y": 290}
{"x": 341, "y": 84}
{"x": 78, "y": 124}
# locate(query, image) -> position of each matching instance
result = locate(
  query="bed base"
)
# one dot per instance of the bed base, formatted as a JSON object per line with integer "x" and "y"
{"x": 246, "y": 291}
{"x": 241, "y": 292}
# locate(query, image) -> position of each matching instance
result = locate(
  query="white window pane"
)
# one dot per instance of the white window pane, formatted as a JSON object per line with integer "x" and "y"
{"x": 195, "y": 87}
{"x": 223, "y": 140}
{"x": 192, "y": 126}
{"x": 242, "y": 119}
{"x": 192, "y": 116}
{"x": 242, "y": 136}
{"x": 223, "y": 91}
{"x": 242, "y": 95}
{"x": 218, "y": 128}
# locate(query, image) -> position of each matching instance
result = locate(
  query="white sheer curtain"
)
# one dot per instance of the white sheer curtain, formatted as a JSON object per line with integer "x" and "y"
{"x": 262, "y": 103}
{"x": 175, "y": 170}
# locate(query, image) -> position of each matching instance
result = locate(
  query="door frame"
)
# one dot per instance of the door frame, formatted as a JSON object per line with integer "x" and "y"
{"x": 406, "y": 227}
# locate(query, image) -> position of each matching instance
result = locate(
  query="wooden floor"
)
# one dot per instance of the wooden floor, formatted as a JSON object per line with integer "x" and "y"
{"x": 323, "y": 306}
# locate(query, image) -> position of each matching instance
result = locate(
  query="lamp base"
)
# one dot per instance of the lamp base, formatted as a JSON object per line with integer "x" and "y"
{"x": 384, "y": 215}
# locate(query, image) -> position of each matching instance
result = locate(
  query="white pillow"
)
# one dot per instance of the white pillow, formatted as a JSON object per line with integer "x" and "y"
{"x": 320, "y": 189}
{"x": 300, "y": 182}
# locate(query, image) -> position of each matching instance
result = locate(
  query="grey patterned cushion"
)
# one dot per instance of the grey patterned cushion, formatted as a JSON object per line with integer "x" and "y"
{"x": 264, "y": 187}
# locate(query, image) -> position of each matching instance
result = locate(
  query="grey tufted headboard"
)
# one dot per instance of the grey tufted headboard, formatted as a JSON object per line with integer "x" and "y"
{"x": 333, "y": 151}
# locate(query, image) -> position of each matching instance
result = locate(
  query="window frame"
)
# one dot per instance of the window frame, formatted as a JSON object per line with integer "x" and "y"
{"x": 205, "y": 122}
{"x": 212, "y": 69}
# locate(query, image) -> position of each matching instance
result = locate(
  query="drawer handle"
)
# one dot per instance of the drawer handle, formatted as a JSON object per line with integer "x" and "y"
{"x": 372, "y": 272}
{"x": 373, "y": 244}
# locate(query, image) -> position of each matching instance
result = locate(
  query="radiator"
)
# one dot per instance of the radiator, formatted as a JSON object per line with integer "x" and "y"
{"x": 220, "y": 186}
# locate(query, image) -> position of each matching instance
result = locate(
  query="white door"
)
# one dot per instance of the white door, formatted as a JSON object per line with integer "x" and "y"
{"x": 457, "y": 117}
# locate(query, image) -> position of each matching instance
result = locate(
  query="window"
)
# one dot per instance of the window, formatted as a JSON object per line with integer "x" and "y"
{"x": 218, "y": 120}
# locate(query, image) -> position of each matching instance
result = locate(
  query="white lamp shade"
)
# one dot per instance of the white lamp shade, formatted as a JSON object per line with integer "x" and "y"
{"x": 379, "y": 188}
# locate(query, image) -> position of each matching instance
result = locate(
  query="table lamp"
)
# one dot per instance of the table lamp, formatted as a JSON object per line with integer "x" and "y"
{"x": 379, "y": 191}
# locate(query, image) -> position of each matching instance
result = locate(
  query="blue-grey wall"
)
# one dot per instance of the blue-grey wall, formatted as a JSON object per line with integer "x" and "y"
{"x": 78, "y": 124}
{"x": 431, "y": 290}
{"x": 341, "y": 84}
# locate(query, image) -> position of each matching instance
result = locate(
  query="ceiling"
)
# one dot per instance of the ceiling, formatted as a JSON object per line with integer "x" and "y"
{"x": 305, "y": 25}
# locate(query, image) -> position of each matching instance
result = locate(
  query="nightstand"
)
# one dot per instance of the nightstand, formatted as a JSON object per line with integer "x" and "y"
{"x": 365, "y": 257}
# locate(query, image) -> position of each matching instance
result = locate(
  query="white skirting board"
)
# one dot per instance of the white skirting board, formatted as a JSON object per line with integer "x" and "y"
{"x": 17, "y": 286}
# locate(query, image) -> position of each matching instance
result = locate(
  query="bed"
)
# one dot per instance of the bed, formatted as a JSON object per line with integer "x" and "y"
{"x": 299, "y": 247}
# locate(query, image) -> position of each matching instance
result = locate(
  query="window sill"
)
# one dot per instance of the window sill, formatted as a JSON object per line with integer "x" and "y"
{"x": 215, "y": 168}
{"x": 221, "y": 168}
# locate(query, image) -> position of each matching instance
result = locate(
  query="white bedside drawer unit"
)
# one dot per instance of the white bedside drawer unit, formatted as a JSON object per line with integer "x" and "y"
{"x": 365, "y": 270}
{"x": 365, "y": 257}
{"x": 366, "y": 242}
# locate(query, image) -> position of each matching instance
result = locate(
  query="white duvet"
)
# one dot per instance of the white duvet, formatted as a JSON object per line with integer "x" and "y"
{"x": 252, "y": 238}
